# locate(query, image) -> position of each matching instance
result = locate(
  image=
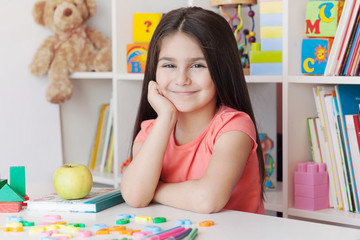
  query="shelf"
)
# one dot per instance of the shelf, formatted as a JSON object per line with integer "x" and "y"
{"x": 263, "y": 79}
{"x": 130, "y": 76}
{"x": 324, "y": 79}
{"x": 274, "y": 199}
{"x": 92, "y": 75}
{"x": 328, "y": 215}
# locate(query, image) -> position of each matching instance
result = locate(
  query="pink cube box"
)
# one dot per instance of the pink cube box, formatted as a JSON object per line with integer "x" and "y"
{"x": 311, "y": 191}
{"x": 311, "y": 203}
{"x": 311, "y": 173}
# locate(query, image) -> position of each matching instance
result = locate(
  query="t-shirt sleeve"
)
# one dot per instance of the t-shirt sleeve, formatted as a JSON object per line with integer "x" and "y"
{"x": 144, "y": 131}
{"x": 235, "y": 121}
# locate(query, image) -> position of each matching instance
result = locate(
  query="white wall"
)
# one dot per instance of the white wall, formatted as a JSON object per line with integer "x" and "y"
{"x": 29, "y": 126}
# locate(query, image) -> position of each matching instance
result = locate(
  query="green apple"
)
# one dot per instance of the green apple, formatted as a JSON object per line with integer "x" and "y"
{"x": 72, "y": 181}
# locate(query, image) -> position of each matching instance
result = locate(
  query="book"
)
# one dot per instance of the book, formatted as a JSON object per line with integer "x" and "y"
{"x": 314, "y": 143}
{"x": 348, "y": 98}
{"x": 353, "y": 48}
{"x": 346, "y": 39}
{"x": 95, "y": 148}
{"x": 353, "y": 138}
{"x": 336, "y": 150}
{"x": 97, "y": 200}
{"x": 107, "y": 138}
{"x": 340, "y": 34}
{"x": 335, "y": 198}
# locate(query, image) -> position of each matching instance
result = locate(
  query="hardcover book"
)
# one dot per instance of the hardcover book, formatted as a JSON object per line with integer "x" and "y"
{"x": 97, "y": 200}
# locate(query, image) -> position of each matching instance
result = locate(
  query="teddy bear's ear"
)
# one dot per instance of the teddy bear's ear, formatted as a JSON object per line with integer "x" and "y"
{"x": 91, "y": 6}
{"x": 38, "y": 12}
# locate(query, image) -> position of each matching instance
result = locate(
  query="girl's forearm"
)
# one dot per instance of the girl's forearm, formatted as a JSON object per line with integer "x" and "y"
{"x": 142, "y": 175}
{"x": 192, "y": 195}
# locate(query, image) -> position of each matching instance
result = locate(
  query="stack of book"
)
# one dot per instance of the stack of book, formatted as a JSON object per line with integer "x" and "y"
{"x": 334, "y": 139}
{"x": 344, "y": 58}
{"x": 102, "y": 158}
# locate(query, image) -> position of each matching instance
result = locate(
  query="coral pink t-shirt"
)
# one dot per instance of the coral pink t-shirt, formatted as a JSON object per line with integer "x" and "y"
{"x": 190, "y": 161}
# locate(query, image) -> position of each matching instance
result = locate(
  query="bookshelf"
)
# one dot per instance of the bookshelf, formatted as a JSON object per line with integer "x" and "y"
{"x": 298, "y": 104}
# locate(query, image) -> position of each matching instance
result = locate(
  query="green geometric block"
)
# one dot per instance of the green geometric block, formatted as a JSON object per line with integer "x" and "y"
{"x": 2, "y": 182}
{"x": 257, "y": 56}
{"x": 7, "y": 194}
{"x": 17, "y": 179}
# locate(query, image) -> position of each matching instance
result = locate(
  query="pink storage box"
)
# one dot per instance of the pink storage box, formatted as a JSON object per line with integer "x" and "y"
{"x": 311, "y": 190}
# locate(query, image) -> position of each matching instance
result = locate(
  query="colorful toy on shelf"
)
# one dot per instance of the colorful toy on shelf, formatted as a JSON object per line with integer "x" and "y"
{"x": 314, "y": 55}
{"x": 136, "y": 54}
{"x": 267, "y": 145}
{"x": 236, "y": 24}
{"x": 13, "y": 195}
{"x": 322, "y": 18}
{"x": 311, "y": 186}
{"x": 144, "y": 25}
{"x": 266, "y": 58}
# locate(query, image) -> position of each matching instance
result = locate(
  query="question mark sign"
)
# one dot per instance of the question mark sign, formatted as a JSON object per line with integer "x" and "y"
{"x": 148, "y": 24}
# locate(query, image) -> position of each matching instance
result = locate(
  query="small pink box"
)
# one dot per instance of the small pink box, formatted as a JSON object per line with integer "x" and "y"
{"x": 311, "y": 186}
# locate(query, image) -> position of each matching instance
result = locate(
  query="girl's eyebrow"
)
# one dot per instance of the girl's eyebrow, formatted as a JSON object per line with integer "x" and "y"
{"x": 173, "y": 59}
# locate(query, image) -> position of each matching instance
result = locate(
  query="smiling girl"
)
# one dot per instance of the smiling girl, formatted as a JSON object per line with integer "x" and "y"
{"x": 195, "y": 143}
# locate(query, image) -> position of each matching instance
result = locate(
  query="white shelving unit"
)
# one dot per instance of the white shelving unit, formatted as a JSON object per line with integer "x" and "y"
{"x": 298, "y": 104}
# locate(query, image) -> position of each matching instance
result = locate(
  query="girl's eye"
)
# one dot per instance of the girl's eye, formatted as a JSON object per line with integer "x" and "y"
{"x": 168, "y": 66}
{"x": 197, "y": 66}
{"x": 75, "y": 4}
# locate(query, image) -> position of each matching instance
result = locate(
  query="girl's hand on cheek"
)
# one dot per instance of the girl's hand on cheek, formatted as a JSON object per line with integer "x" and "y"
{"x": 158, "y": 102}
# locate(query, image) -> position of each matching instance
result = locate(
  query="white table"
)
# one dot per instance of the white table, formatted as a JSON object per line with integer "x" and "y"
{"x": 228, "y": 224}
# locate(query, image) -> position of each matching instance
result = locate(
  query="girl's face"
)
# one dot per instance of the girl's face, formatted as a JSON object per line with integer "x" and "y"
{"x": 183, "y": 75}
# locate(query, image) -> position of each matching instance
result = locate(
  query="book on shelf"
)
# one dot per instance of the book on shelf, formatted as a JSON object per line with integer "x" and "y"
{"x": 337, "y": 151}
{"x": 107, "y": 137}
{"x": 98, "y": 137}
{"x": 97, "y": 200}
{"x": 332, "y": 104}
{"x": 101, "y": 159}
{"x": 335, "y": 199}
{"x": 353, "y": 130}
{"x": 352, "y": 49}
{"x": 342, "y": 40}
{"x": 348, "y": 99}
{"x": 314, "y": 142}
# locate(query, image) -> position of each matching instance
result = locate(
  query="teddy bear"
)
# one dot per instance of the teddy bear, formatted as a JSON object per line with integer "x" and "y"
{"x": 74, "y": 47}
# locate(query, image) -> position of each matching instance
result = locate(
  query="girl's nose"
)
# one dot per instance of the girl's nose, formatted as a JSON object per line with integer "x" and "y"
{"x": 183, "y": 78}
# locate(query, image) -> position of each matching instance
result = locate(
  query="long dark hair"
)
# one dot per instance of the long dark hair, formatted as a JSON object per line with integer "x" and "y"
{"x": 218, "y": 44}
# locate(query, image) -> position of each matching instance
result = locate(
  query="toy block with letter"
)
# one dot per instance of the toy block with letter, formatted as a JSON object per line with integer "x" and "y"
{"x": 314, "y": 55}
{"x": 322, "y": 18}
{"x": 144, "y": 25}
{"x": 311, "y": 186}
{"x": 136, "y": 54}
